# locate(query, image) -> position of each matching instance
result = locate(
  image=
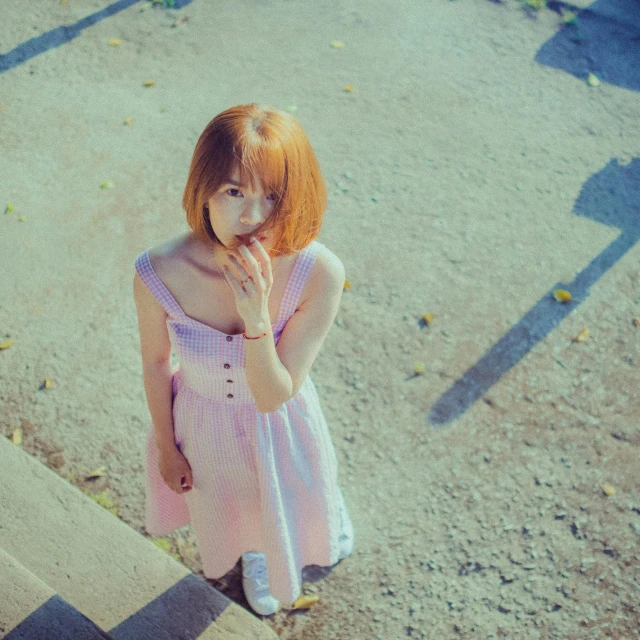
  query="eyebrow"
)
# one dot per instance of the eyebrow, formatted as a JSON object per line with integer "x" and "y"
{"x": 234, "y": 183}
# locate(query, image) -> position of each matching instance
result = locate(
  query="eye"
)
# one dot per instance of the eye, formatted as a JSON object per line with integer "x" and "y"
{"x": 271, "y": 194}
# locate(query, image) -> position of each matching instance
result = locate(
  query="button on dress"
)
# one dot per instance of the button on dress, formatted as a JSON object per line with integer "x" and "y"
{"x": 264, "y": 482}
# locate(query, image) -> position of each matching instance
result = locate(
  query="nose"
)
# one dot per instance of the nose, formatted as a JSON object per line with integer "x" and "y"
{"x": 254, "y": 212}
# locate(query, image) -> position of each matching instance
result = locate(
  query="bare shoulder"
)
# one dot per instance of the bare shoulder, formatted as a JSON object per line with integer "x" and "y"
{"x": 327, "y": 275}
{"x": 330, "y": 263}
{"x": 166, "y": 255}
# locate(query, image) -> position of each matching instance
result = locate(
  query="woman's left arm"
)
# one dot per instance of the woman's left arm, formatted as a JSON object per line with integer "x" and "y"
{"x": 275, "y": 374}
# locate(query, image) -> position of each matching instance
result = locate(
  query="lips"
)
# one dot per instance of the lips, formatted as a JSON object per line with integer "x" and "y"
{"x": 247, "y": 238}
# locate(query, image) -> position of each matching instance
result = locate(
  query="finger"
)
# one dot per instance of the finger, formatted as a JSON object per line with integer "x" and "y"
{"x": 262, "y": 252}
{"x": 267, "y": 267}
{"x": 262, "y": 256}
{"x": 253, "y": 267}
{"x": 240, "y": 268}
{"x": 230, "y": 277}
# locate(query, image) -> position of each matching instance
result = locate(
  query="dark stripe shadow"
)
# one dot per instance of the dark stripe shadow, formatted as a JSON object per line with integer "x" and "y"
{"x": 184, "y": 611}
{"x": 605, "y": 41}
{"x": 61, "y": 35}
{"x": 611, "y": 197}
{"x": 54, "y": 619}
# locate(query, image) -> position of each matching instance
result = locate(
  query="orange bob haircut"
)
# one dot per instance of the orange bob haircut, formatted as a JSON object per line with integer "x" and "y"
{"x": 270, "y": 145}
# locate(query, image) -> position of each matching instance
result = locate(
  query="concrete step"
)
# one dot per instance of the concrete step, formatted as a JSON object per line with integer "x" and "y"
{"x": 100, "y": 566}
{"x": 31, "y": 610}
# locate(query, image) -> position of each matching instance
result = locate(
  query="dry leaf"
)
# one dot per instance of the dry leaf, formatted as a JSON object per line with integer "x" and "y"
{"x": 428, "y": 318}
{"x": 347, "y": 285}
{"x": 22, "y": 219}
{"x": 305, "y": 602}
{"x": 9, "y": 208}
{"x": 336, "y": 44}
{"x": 561, "y": 295}
{"x": 114, "y": 42}
{"x": 419, "y": 367}
{"x": 107, "y": 184}
{"x": 48, "y": 383}
{"x": 593, "y": 80}
{"x": 149, "y": 83}
{"x": 16, "y": 436}
{"x": 636, "y": 323}
{"x": 349, "y": 88}
{"x": 608, "y": 489}
{"x": 97, "y": 473}
{"x": 127, "y": 120}
{"x": 6, "y": 344}
{"x": 582, "y": 336}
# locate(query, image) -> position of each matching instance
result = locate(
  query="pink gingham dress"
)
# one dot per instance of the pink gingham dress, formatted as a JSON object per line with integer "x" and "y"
{"x": 263, "y": 482}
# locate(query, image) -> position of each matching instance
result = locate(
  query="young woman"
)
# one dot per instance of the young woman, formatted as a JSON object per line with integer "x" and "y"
{"x": 238, "y": 444}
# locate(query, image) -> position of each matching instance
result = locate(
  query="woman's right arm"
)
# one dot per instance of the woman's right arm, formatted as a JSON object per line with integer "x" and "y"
{"x": 156, "y": 363}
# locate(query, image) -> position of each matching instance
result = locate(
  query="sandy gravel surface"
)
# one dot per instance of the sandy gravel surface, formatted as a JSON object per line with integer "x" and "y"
{"x": 455, "y": 168}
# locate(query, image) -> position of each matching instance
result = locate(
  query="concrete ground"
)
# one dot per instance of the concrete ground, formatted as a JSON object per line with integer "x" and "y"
{"x": 480, "y": 158}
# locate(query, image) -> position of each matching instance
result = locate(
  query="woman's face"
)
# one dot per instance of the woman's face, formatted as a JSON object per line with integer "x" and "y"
{"x": 235, "y": 210}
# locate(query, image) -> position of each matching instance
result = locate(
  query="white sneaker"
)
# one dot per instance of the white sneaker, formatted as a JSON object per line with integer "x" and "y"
{"x": 256, "y": 585}
{"x": 346, "y": 530}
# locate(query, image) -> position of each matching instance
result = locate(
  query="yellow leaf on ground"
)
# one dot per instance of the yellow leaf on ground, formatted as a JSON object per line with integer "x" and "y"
{"x": 48, "y": 383}
{"x": 16, "y": 436}
{"x": 593, "y": 80}
{"x": 6, "y": 344}
{"x": 428, "y": 318}
{"x": 349, "y": 88}
{"x": 347, "y": 285}
{"x": 305, "y": 602}
{"x": 608, "y": 489}
{"x": 149, "y": 83}
{"x": 22, "y": 219}
{"x": 561, "y": 295}
{"x": 114, "y": 42}
{"x": 336, "y": 44}
{"x": 9, "y": 208}
{"x": 96, "y": 473}
{"x": 106, "y": 185}
{"x": 582, "y": 336}
{"x": 419, "y": 367}
{"x": 636, "y": 323}
{"x": 127, "y": 120}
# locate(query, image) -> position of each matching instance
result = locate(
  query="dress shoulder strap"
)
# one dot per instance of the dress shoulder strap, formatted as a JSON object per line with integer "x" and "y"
{"x": 298, "y": 278}
{"x": 155, "y": 285}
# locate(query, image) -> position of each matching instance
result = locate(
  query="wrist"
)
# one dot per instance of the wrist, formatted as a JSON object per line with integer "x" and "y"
{"x": 257, "y": 327}
{"x": 167, "y": 448}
